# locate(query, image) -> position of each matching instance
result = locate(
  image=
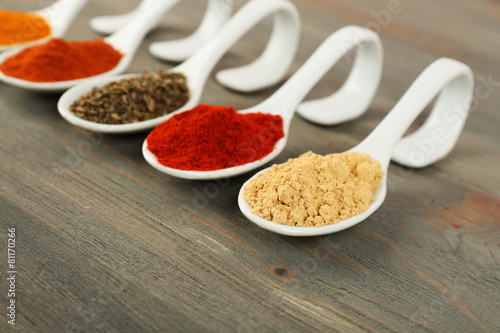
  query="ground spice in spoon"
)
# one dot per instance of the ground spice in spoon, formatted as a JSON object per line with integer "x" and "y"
{"x": 209, "y": 138}
{"x": 58, "y": 60}
{"x": 21, "y": 27}
{"x": 134, "y": 99}
{"x": 314, "y": 190}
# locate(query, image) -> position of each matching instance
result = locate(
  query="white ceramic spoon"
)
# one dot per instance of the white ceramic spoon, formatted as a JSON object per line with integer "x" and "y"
{"x": 126, "y": 40}
{"x": 282, "y": 45}
{"x": 284, "y": 101}
{"x": 107, "y": 25}
{"x": 454, "y": 81}
{"x": 59, "y": 16}
{"x": 216, "y": 14}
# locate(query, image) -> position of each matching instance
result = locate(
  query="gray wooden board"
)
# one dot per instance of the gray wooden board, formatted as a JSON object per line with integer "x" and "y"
{"x": 105, "y": 243}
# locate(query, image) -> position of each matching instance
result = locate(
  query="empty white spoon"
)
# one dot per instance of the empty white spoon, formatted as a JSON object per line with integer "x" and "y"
{"x": 107, "y": 25}
{"x": 454, "y": 83}
{"x": 216, "y": 14}
{"x": 284, "y": 101}
{"x": 59, "y": 16}
{"x": 282, "y": 45}
{"x": 126, "y": 40}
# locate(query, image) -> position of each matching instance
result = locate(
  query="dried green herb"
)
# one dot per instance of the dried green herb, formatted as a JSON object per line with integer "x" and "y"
{"x": 139, "y": 98}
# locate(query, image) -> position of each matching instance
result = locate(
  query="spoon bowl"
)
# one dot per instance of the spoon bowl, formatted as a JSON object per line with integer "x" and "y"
{"x": 284, "y": 101}
{"x": 126, "y": 41}
{"x": 73, "y": 94}
{"x": 216, "y": 174}
{"x": 378, "y": 199}
{"x": 454, "y": 83}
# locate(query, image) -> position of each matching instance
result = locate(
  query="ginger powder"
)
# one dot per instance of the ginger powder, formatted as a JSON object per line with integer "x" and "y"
{"x": 314, "y": 190}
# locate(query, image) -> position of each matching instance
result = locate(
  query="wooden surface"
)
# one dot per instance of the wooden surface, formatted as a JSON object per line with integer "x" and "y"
{"x": 108, "y": 244}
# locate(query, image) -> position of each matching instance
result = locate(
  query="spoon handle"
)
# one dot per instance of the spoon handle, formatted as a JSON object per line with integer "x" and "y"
{"x": 274, "y": 62}
{"x": 356, "y": 94}
{"x": 365, "y": 74}
{"x": 454, "y": 82}
{"x": 128, "y": 38}
{"x": 216, "y": 15}
{"x": 60, "y": 14}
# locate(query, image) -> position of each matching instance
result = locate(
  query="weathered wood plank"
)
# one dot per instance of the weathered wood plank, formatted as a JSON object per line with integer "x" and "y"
{"x": 107, "y": 244}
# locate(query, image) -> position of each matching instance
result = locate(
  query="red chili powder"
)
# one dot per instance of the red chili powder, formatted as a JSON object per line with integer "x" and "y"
{"x": 58, "y": 60}
{"x": 209, "y": 138}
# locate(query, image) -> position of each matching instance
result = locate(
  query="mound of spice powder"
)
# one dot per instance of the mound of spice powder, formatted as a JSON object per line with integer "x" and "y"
{"x": 209, "y": 138}
{"x": 314, "y": 190}
{"x": 58, "y": 60}
{"x": 21, "y": 27}
{"x": 133, "y": 99}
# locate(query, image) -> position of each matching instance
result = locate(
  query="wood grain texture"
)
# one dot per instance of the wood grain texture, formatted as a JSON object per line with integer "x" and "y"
{"x": 107, "y": 244}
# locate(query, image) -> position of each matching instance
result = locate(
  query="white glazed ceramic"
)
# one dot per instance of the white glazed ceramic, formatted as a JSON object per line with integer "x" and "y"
{"x": 108, "y": 25}
{"x": 284, "y": 101}
{"x": 283, "y": 44}
{"x": 454, "y": 83}
{"x": 216, "y": 15}
{"x": 352, "y": 99}
{"x": 126, "y": 40}
{"x": 59, "y": 16}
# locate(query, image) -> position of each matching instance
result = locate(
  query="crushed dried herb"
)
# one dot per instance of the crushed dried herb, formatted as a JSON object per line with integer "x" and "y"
{"x": 135, "y": 99}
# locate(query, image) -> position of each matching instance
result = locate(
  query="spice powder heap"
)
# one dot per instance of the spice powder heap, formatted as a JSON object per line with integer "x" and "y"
{"x": 209, "y": 138}
{"x": 135, "y": 99}
{"x": 21, "y": 27}
{"x": 314, "y": 190}
{"x": 58, "y": 60}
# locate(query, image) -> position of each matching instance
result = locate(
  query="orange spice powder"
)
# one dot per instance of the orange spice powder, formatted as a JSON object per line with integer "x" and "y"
{"x": 21, "y": 27}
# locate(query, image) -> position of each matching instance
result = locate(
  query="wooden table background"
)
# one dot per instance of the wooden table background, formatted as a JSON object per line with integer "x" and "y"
{"x": 108, "y": 244}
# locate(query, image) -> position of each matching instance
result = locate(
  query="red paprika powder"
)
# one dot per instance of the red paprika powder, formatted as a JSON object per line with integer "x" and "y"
{"x": 58, "y": 60}
{"x": 209, "y": 138}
